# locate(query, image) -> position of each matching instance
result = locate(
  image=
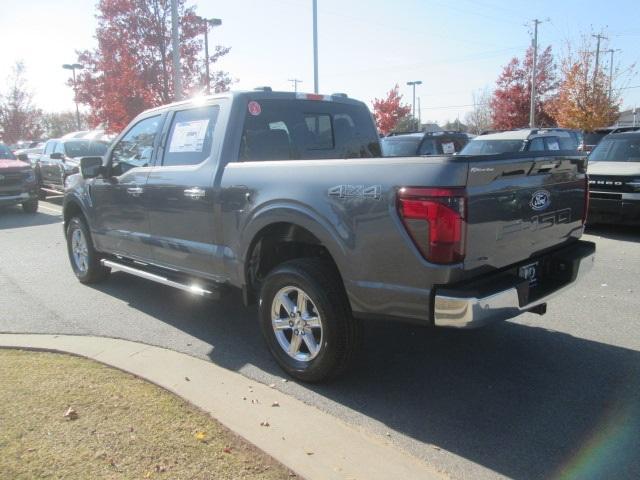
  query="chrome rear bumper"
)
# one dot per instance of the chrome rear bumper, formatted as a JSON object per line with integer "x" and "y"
{"x": 451, "y": 310}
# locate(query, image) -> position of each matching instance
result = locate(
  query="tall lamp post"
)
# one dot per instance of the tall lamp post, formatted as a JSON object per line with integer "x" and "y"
{"x": 73, "y": 67}
{"x": 208, "y": 22}
{"x": 413, "y": 84}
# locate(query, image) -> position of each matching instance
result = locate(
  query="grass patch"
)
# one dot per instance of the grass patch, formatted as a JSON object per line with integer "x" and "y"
{"x": 125, "y": 428}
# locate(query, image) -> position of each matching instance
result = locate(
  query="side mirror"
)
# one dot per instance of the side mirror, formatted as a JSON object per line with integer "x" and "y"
{"x": 56, "y": 156}
{"x": 23, "y": 157}
{"x": 91, "y": 167}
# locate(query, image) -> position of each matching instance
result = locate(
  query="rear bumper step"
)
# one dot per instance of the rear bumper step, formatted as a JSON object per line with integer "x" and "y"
{"x": 460, "y": 309}
{"x": 185, "y": 285}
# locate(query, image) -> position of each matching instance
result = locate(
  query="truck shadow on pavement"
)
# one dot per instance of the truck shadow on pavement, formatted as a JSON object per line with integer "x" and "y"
{"x": 522, "y": 401}
{"x": 625, "y": 233}
{"x": 14, "y": 217}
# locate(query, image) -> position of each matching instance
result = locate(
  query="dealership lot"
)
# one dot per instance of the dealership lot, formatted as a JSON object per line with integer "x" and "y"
{"x": 537, "y": 397}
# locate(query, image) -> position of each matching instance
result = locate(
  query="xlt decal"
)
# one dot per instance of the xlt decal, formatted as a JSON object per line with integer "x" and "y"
{"x": 356, "y": 191}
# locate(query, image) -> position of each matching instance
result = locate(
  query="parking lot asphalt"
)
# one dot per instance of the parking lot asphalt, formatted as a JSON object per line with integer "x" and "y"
{"x": 556, "y": 396}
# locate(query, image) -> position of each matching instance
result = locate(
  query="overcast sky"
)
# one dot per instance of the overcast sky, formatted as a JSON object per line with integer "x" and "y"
{"x": 366, "y": 46}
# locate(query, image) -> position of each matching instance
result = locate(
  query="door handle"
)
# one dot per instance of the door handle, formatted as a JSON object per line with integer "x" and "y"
{"x": 194, "y": 193}
{"x": 135, "y": 191}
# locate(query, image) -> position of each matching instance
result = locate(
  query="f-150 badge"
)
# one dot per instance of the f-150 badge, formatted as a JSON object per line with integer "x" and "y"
{"x": 356, "y": 191}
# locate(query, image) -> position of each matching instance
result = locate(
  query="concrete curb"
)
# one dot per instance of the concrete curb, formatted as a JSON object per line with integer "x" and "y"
{"x": 312, "y": 443}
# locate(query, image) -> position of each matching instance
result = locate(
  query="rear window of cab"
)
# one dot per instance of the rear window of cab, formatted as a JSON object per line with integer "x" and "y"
{"x": 305, "y": 130}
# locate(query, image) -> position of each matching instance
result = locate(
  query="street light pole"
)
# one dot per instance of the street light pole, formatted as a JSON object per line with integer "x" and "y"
{"x": 532, "y": 105}
{"x": 175, "y": 51}
{"x": 316, "y": 88}
{"x": 208, "y": 22}
{"x": 413, "y": 84}
{"x": 73, "y": 67}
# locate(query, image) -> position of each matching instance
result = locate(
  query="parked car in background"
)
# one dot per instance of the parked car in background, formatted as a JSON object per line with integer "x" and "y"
{"x": 32, "y": 155}
{"x": 60, "y": 159}
{"x": 22, "y": 144}
{"x": 423, "y": 143}
{"x": 523, "y": 140}
{"x": 590, "y": 139}
{"x": 614, "y": 179}
{"x": 18, "y": 184}
{"x": 89, "y": 135}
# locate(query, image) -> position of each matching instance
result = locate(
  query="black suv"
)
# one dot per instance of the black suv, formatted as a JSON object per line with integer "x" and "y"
{"x": 423, "y": 143}
{"x": 61, "y": 158}
{"x": 17, "y": 182}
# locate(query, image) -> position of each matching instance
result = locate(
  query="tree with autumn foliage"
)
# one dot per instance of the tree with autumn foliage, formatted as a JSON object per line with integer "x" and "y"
{"x": 19, "y": 118}
{"x": 510, "y": 104}
{"x": 583, "y": 100}
{"x": 389, "y": 111}
{"x": 131, "y": 69}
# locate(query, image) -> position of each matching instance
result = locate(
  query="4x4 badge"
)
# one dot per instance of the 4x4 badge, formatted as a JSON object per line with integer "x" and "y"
{"x": 356, "y": 191}
{"x": 540, "y": 200}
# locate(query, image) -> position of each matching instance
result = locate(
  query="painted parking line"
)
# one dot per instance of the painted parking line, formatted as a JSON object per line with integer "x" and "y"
{"x": 50, "y": 210}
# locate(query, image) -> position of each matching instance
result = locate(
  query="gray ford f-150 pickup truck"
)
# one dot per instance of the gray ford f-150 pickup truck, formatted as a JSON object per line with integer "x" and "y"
{"x": 285, "y": 196}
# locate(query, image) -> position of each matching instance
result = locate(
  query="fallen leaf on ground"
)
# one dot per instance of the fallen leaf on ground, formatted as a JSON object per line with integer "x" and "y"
{"x": 187, "y": 379}
{"x": 226, "y": 449}
{"x": 264, "y": 424}
{"x": 71, "y": 414}
{"x": 201, "y": 436}
{"x": 275, "y": 404}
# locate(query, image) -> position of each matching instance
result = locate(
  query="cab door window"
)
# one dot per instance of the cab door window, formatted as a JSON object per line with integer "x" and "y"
{"x": 136, "y": 148}
{"x": 191, "y": 136}
{"x": 537, "y": 145}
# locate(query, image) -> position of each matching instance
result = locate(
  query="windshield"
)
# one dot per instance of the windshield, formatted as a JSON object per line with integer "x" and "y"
{"x": 5, "y": 153}
{"x": 617, "y": 150}
{"x": 399, "y": 147}
{"x": 492, "y": 147}
{"x": 85, "y": 148}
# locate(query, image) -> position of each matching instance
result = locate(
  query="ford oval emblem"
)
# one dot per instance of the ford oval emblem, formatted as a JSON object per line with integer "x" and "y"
{"x": 540, "y": 200}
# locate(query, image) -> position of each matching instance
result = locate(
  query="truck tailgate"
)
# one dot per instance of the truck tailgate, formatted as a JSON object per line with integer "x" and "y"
{"x": 517, "y": 209}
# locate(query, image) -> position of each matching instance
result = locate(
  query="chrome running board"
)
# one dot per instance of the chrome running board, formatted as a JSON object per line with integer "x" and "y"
{"x": 191, "y": 288}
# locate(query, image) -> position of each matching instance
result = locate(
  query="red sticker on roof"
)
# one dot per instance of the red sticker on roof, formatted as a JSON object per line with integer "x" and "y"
{"x": 254, "y": 108}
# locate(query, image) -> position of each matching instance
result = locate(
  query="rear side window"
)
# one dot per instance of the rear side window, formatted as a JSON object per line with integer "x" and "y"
{"x": 191, "y": 136}
{"x": 307, "y": 129}
{"x": 49, "y": 148}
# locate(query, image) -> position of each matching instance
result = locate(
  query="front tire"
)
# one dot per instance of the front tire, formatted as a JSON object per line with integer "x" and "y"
{"x": 84, "y": 259}
{"x": 306, "y": 320}
{"x": 31, "y": 206}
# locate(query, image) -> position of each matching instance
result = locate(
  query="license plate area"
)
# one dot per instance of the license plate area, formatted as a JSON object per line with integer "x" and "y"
{"x": 530, "y": 272}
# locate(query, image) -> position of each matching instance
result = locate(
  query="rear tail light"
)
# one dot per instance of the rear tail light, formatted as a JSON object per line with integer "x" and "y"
{"x": 435, "y": 220}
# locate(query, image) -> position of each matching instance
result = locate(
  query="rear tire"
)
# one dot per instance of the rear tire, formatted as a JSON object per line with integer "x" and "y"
{"x": 31, "y": 206}
{"x": 306, "y": 320}
{"x": 85, "y": 260}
